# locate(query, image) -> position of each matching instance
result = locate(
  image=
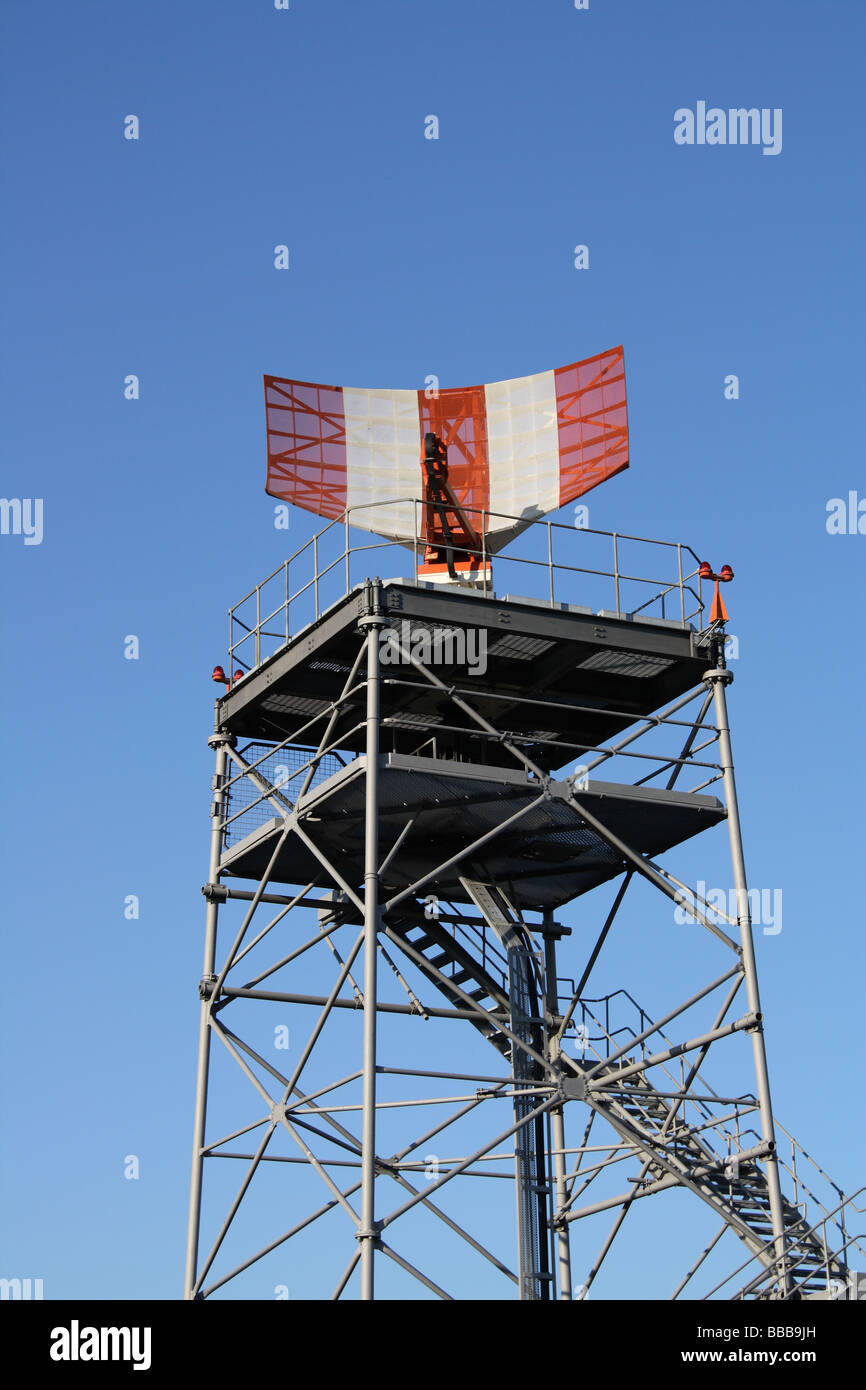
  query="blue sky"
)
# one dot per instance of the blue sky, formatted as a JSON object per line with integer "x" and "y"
{"x": 408, "y": 257}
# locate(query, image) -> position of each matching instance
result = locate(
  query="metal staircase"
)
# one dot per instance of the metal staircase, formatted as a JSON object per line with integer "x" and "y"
{"x": 462, "y": 963}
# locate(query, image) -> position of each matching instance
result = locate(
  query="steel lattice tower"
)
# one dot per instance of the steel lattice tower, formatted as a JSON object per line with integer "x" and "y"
{"x": 395, "y": 858}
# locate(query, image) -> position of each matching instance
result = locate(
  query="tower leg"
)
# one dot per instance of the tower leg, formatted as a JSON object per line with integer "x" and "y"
{"x": 557, "y": 1117}
{"x": 368, "y": 1234}
{"x": 719, "y": 678}
{"x": 219, "y": 743}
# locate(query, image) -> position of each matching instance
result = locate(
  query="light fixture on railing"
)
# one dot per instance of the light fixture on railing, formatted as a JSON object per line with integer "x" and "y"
{"x": 718, "y": 612}
{"x": 219, "y": 675}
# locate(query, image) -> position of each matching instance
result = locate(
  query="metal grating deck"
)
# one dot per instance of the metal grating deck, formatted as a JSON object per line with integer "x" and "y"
{"x": 545, "y": 859}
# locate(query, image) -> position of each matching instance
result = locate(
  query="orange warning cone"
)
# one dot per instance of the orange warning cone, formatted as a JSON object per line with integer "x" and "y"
{"x": 718, "y": 612}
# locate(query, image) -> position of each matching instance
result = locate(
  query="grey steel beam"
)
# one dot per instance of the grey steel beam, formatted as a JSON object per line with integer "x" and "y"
{"x": 220, "y": 743}
{"x": 414, "y": 888}
{"x": 370, "y": 624}
{"x": 642, "y": 1189}
{"x": 467, "y": 1162}
{"x": 285, "y": 997}
{"x": 644, "y": 868}
{"x": 707, "y": 1250}
{"x": 649, "y": 722}
{"x": 557, "y": 1118}
{"x": 717, "y": 679}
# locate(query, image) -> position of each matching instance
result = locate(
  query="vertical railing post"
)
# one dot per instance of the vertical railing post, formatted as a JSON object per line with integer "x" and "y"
{"x": 550, "y": 561}
{"x": 316, "y": 571}
{"x": 286, "y": 569}
{"x": 616, "y": 570}
{"x": 487, "y": 583}
{"x": 258, "y": 639}
{"x": 682, "y": 589}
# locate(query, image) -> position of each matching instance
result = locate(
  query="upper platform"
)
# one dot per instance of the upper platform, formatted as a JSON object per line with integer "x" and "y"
{"x": 562, "y": 676}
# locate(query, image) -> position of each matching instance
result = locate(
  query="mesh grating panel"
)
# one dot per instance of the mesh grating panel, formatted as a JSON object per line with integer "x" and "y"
{"x": 623, "y": 663}
{"x": 519, "y": 648}
{"x": 285, "y": 770}
{"x": 294, "y": 704}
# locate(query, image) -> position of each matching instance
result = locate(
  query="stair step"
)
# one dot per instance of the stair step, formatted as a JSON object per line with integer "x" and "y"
{"x": 745, "y": 1195}
{"x": 458, "y": 977}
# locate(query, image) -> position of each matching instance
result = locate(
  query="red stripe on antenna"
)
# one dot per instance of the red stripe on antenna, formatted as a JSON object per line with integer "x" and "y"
{"x": 593, "y": 422}
{"x": 306, "y": 445}
{"x": 459, "y": 416}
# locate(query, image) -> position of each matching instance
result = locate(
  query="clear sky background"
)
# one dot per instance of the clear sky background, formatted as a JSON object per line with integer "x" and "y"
{"x": 409, "y": 256}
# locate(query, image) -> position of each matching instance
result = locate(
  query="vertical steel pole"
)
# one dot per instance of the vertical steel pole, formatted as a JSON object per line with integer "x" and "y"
{"x": 218, "y": 741}
{"x": 370, "y": 623}
{"x": 557, "y": 1118}
{"x": 550, "y": 563}
{"x": 717, "y": 680}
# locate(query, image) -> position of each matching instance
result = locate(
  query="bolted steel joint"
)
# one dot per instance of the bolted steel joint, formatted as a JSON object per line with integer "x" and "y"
{"x": 573, "y": 1088}
{"x": 221, "y": 738}
{"x": 206, "y": 986}
{"x": 718, "y": 673}
{"x": 214, "y": 892}
{"x": 371, "y": 1232}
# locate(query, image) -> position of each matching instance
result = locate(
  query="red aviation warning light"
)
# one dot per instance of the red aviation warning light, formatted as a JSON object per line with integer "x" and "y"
{"x": 472, "y": 457}
{"x": 220, "y": 676}
{"x": 718, "y": 612}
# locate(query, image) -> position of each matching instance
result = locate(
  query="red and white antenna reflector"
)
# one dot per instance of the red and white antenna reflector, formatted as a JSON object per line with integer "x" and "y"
{"x": 519, "y": 448}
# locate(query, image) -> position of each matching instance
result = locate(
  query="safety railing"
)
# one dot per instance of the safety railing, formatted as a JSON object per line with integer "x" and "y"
{"x": 611, "y": 1036}
{"x": 835, "y": 1255}
{"x": 824, "y": 1207}
{"x": 270, "y": 785}
{"x": 557, "y": 565}
{"x": 478, "y": 939}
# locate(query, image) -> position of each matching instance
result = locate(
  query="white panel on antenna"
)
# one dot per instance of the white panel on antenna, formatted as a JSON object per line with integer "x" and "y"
{"x": 383, "y": 457}
{"x": 523, "y": 445}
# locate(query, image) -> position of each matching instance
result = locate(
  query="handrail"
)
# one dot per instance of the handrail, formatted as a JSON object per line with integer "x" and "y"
{"x": 766, "y": 1250}
{"x": 331, "y": 549}
{"x": 727, "y": 1129}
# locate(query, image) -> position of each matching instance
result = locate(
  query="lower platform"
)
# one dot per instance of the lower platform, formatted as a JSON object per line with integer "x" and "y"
{"x": 542, "y": 860}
